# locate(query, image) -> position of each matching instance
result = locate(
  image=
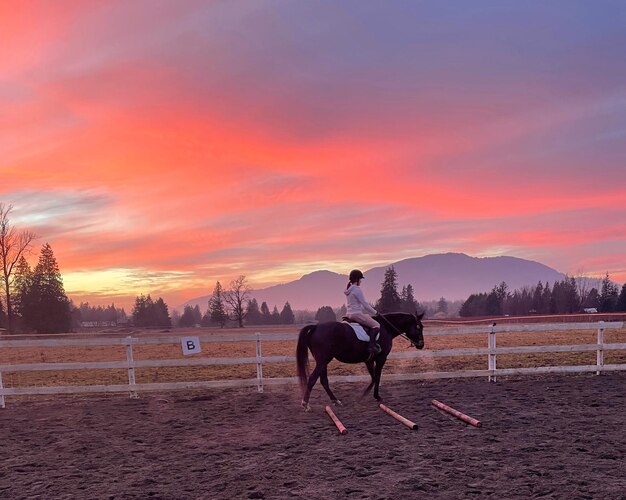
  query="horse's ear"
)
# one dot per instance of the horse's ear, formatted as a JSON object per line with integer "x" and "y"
{"x": 419, "y": 316}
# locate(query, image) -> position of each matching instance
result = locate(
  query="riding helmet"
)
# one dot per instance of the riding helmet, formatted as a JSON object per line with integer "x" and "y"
{"x": 356, "y": 275}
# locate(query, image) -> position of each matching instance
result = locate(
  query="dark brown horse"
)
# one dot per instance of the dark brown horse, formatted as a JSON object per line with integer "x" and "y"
{"x": 335, "y": 340}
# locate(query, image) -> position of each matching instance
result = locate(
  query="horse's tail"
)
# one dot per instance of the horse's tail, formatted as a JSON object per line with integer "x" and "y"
{"x": 302, "y": 354}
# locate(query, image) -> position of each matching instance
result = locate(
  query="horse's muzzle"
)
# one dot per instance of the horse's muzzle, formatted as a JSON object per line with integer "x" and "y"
{"x": 419, "y": 345}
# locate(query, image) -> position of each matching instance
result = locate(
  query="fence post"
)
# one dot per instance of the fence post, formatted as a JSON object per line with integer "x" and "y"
{"x": 2, "y": 402}
{"x": 259, "y": 363}
{"x": 131, "y": 366}
{"x": 491, "y": 344}
{"x": 600, "y": 351}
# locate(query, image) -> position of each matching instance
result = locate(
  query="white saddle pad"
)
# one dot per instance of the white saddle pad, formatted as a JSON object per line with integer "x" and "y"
{"x": 360, "y": 332}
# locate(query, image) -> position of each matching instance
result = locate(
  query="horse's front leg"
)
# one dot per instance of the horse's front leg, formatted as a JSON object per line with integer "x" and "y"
{"x": 370, "y": 369}
{"x": 378, "y": 370}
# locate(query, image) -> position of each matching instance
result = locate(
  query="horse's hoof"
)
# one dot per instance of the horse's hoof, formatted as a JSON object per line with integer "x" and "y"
{"x": 305, "y": 406}
{"x": 336, "y": 402}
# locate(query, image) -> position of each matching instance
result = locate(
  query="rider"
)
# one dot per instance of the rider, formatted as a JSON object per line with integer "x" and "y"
{"x": 360, "y": 311}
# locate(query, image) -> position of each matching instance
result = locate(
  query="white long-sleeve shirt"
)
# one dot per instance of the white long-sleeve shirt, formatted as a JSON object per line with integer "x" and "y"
{"x": 356, "y": 301}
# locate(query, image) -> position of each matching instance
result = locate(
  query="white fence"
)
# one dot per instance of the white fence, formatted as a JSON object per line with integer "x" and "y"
{"x": 491, "y": 351}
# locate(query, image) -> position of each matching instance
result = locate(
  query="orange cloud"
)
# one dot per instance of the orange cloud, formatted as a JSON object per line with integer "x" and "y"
{"x": 169, "y": 143}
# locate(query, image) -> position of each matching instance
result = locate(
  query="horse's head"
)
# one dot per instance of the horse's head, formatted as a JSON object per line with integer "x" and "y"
{"x": 408, "y": 325}
{"x": 415, "y": 331}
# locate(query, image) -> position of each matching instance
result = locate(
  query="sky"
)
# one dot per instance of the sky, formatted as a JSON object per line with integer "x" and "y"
{"x": 161, "y": 146}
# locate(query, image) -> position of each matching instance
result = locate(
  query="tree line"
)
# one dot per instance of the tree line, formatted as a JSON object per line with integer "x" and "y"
{"x": 235, "y": 304}
{"x": 87, "y": 315}
{"x": 568, "y": 296}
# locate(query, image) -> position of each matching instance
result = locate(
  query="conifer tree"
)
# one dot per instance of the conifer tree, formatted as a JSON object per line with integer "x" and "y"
{"x": 45, "y": 307}
{"x": 409, "y": 304}
{"x": 197, "y": 315}
{"x": 538, "y": 298}
{"x": 217, "y": 307}
{"x": 389, "y": 298}
{"x": 161, "y": 314}
{"x": 206, "y": 319}
{"x": 608, "y": 295}
{"x": 22, "y": 282}
{"x": 265, "y": 314}
{"x": 475, "y": 305}
{"x": 442, "y": 306}
{"x": 286, "y": 315}
{"x": 253, "y": 313}
{"x": 593, "y": 299}
{"x": 492, "y": 305}
{"x": 187, "y": 319}
{"x": 546, "y": 300}
{"x": 275, "y": 316}
{"x": 621, "y": 300}
{"x": 141, "y": 311}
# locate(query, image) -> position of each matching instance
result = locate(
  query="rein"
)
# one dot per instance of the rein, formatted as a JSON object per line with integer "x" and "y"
{"x": 406, "y": 337}
{"x": 400, "y": 334}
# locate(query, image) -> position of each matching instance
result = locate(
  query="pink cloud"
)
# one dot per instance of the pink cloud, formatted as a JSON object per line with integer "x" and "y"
{"x": 179, "y": 143}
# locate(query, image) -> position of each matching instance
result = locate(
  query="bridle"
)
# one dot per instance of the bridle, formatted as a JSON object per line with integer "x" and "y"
{"x": 400, "y": 334}
{"x": 413, "y": 343}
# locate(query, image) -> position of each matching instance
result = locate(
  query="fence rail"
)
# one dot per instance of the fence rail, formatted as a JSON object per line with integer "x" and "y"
{"x": 130, "y": 364}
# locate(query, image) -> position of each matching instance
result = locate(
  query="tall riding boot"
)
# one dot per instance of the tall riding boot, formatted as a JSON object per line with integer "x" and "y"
{"x": 373, "y": 349}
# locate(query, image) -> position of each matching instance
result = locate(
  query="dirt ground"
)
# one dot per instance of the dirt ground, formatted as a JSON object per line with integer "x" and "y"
{"x": 556, "y": 437}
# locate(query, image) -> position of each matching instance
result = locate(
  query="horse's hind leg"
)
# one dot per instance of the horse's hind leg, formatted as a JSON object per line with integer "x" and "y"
{"x": 312, "y": 380}
{"x": 324, "y": 381}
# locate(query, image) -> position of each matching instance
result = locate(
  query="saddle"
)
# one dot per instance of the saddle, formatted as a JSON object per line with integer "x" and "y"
{"x": 359, "y": 329}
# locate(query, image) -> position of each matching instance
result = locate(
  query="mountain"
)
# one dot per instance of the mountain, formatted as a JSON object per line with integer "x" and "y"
{"x": 450, "y": 275}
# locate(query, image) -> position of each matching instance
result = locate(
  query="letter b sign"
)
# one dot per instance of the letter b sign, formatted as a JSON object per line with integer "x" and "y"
{"x": 191, "y": 345}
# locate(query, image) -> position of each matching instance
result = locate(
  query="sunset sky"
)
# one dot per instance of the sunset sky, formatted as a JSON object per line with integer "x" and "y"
{"x": 160, "y": 146}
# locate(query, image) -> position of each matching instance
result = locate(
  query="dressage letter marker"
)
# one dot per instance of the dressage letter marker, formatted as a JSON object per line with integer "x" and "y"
{"x": 457, "y": 413}
{"x": 400, "y": 418}
{"x": 331, "y": 414}
{"x": 190, "y": 345}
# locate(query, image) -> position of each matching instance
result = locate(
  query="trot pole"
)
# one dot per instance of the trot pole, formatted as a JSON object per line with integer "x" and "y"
{"x": 456, "y": 413}
{"x": 399, "y": 418}
{"x": 340, "y": 426}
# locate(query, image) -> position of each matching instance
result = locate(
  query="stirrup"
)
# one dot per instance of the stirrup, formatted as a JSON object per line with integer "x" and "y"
{"x": 372, "y": 353}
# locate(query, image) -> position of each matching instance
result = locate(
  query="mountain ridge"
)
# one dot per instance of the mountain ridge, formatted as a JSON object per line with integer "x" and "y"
{"x": 451, "y": 275}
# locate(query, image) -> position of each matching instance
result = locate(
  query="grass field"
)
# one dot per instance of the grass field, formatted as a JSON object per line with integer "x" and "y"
{"x": 247, "y": 349}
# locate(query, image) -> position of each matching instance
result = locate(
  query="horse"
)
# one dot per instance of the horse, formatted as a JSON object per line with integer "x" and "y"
{"x": 338, "y": 340}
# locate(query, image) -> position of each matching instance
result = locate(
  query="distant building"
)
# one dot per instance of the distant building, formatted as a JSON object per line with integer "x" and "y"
{"x": 98, "y": 324}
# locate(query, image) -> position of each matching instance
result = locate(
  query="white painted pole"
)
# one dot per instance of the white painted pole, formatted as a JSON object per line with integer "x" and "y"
{"x": 600, "y": 351}
{"x": 131, "y": 366}
{"x": 491, "y": 344}
{"x": 2, "y": 402}
{"x": 259, "y": 363}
